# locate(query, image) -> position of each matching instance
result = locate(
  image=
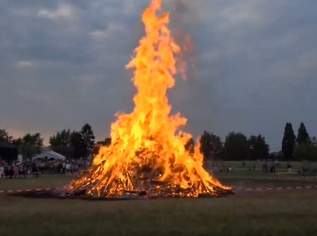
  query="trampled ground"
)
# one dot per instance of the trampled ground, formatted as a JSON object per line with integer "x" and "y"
{"x": 265, "y": 212}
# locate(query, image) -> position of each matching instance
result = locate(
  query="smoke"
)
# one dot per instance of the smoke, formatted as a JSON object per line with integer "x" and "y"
{"x": 185, "y": 22}
{"x": 181, "y": 14}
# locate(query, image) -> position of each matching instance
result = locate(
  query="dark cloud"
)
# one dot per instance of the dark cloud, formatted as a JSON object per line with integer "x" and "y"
{"x": 62, "y": 64}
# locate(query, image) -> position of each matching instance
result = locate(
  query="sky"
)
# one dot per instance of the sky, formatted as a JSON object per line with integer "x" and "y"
{"x": 253, "y": 67}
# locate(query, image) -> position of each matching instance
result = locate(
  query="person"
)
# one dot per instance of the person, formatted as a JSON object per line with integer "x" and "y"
{"x": 243, "y": 164}
{"x": 15, "y": 169}
{"x": 265, "y": 167}
{"x": 68, "y": 167}
{"x": 289, "y": 167}
{"x": 22, "y": 171}
{"x": 10, "y": 172}
{"x": 1, "y": 171}
{"x": 60, "y": 168}
{"x": 35, "y": 170}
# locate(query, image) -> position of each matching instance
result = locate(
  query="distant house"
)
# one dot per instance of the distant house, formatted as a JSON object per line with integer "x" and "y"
{"x": 8, "y": 152}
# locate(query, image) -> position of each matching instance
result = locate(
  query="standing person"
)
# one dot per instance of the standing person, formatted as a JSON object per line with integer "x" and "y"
{"x": 60, "y": 167}
{"x": 35, "y": 170}
{"x": 1, "y": 171}
{"x": 68, "y": 167}
{"x": 22, "y": 171}
{"x": 10, "y": 172}
{"x": 15, "y": 169}
{"x": 289, "y": 167}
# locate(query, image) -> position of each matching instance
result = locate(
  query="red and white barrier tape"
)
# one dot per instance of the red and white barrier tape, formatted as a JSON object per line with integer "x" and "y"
{"x": 267, "y": 189}
{"x": 235, "y": 189}
{"x": 11, "y": 191}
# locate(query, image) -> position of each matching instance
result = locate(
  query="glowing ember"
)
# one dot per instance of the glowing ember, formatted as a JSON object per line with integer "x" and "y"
{"x": 147, "y": 155}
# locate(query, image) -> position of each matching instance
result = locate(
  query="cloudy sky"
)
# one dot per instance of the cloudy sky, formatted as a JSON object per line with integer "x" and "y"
{"x": 253, "y": 69}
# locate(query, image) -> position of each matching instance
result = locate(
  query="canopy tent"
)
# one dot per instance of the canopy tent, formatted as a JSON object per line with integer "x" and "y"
{"x": 49, "y": 155}
{"x": 8, "y": 152}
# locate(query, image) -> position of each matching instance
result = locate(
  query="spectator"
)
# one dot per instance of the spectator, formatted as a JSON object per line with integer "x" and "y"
{"x": 68, "y": 167}
{"x": 15, "y": 170}
{"x": 35, "y": 170}
{"x": 289, "y": 168}
{"x": 1, "y": 171}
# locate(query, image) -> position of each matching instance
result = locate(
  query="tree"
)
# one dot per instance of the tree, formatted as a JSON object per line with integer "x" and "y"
{"x": 29, "y": 145}
{"x": 5, "y": 137}
{"x": 60, "y": 142}
{"x": 236, "y": 147}
{"x": 77, "y": 145}
{"x": 210, "y": 145}
{"x": 288, "y": 143}
{"x": 306, "y": 152}
{"x": 258, "y": 148}
{"x": 69, "y": 144}
{"x": 302, "y": 135}
{"x": 88, "y": 139}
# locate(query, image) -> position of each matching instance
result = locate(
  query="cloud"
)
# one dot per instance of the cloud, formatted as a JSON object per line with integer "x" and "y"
{"x": 110, "y": 31}
{"x": 24, "y": 64}
{"x": 62, "y": 12}
{"x": 244, "y": 12}
{"x": 62, "y": 64}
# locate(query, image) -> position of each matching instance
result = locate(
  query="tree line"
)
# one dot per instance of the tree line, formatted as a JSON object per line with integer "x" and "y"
{"x": 236, "y": 146}
{"x": 71, "y": 144}
{"x": 28, "y": 145}
{"x": 300, "y": 147}
{"x": 74, "y": 144}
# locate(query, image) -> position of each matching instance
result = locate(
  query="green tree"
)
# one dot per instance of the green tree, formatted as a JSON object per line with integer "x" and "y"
{"x": 211, "y": 145}
{"x": 29, "y": 145}
{"x": 88, "y": 139}
{"x": 236, "y": 147}
{"x": 288, "y": 143}
{"x": 302, "y": 135}
{"x": 5, "y": 137}
{"x": 77, "y": 145}
{"x": 258, "y": 148}
{"x": 69, "y": 143}
{"x": 306, "y": 152}
{"x": 60, "y": 142}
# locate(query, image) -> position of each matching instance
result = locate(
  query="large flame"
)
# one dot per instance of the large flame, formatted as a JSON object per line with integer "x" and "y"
{"x": 148, "y": 154}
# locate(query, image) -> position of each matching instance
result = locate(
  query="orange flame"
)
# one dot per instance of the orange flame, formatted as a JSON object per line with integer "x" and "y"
{"x": 148, "y": 154}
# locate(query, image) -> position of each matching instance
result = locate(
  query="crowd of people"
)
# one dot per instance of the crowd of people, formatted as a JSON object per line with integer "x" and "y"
{"x": 39, "y": 167}
{"x": 36, "y": 168}
{"x": 264, "y": 166}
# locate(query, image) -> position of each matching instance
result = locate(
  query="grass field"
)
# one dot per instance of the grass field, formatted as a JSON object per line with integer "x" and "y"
{"x": 267, "y": 213}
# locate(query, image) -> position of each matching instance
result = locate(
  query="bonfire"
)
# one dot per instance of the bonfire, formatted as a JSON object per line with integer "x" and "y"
{"x": 148, "y": 155}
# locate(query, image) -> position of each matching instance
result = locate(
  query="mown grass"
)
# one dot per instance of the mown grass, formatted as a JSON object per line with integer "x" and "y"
{"x": 274, "y": 214}
{"x": 41, "y": 182}
{"x": 261, "y": 214}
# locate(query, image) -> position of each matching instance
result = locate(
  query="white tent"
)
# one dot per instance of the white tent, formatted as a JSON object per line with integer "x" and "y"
{"x": 49, "y": 155}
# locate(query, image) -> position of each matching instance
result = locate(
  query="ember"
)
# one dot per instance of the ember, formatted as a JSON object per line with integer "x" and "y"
{"x": 147, "y": 156}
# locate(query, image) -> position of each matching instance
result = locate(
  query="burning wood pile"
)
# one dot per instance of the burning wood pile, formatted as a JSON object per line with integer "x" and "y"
{"x": 148, "y": 155}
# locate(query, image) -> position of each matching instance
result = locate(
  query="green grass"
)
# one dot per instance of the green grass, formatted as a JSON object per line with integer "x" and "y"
{"x": 267, "y": 214}
{"x": 41, "y": 182}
